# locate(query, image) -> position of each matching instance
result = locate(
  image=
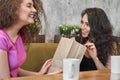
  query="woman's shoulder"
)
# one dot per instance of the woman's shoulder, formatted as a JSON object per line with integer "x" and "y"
{"x": 2, "y": 35}
{"x": 3, "y": 40}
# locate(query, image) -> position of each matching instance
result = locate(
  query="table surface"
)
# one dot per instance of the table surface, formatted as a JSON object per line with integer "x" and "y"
{"x": 86, "y": 75}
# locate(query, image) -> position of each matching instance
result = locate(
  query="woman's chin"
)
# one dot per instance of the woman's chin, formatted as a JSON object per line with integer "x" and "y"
{"x": 84, "y": 36}
{"x": 30, "y": 22}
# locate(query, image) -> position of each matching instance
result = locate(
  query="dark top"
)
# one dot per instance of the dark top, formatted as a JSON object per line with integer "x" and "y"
{"x": 87, "y": 64}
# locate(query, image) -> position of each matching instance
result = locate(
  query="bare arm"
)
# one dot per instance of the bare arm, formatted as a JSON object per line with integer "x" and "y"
{"x": 92, "y": 51}
{"x": 98, "y": 64}
{"x": 23, "y": 72}
{"x": 93, "y": 54}
{"x": 4, "y": 68}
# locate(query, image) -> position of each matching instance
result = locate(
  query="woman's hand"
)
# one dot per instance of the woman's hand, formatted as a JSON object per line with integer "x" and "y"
{"x": 91, "y": 49}
{"x": 56, "y": 72}
{"x": 45, "y": 66}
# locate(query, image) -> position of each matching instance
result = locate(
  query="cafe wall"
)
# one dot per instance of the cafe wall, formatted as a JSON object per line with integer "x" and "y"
{"x": 69, "y": 11}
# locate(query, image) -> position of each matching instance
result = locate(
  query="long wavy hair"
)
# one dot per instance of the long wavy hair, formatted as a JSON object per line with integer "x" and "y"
{"x": 100, "y": 33}
{"x": 8, "y": 16}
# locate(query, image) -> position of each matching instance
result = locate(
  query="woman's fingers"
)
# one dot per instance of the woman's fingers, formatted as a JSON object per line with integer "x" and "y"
{"x": 90, "y": 45}
{"x": 56, "y": 72}
{"x": 46, "y": 66}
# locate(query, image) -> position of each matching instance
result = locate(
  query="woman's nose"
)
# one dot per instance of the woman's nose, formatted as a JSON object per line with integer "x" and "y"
{"x": 34, "y": 10}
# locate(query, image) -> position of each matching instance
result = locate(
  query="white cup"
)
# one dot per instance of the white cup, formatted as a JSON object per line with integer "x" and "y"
{"x": 71, "y": 69}
{"x": 114, "y": 76}
{"x": 115, "y": 64}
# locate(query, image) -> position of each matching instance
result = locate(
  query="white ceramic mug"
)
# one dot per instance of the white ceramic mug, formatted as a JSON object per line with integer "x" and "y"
{"x": 115, "y": 64}
{"x": 71, "y": 69}
{"x": 114, "y": 76}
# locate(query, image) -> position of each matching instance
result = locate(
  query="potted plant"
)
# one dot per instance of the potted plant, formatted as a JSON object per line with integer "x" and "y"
{"x": 67, "y": 30}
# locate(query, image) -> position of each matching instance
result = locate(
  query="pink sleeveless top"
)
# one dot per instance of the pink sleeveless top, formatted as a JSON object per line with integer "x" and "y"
{"x": 16, "y": 52}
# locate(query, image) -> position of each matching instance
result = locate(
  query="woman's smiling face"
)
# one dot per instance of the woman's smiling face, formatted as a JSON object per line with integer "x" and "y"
{"x": 26, "y": 12}
{"x": 85, "y": 28}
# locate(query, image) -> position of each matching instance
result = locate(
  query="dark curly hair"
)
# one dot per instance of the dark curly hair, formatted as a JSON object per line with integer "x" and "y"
{"x": 100, "y": 33}
{"x": 8, "y": 16}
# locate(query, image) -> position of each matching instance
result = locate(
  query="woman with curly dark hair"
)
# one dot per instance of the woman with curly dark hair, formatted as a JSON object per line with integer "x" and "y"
{"x": 17, "y": 18}
{"x": 96, "y": 35}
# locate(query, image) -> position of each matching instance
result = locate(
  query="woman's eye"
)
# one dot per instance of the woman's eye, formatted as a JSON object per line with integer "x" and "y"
{"x": 29, "y": 6}
{"x": 87, "y": 24}
{"x": 81, "y": 22}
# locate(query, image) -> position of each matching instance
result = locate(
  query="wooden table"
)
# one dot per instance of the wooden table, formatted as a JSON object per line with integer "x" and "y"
{"x": 86, "y": 75}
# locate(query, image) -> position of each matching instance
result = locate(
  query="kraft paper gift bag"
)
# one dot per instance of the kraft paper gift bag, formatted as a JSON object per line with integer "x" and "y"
{"x": 67, "y": 48}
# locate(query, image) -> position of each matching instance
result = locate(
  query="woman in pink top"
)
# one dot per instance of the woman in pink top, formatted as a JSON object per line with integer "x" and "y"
{"x": 15, "y": 17}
